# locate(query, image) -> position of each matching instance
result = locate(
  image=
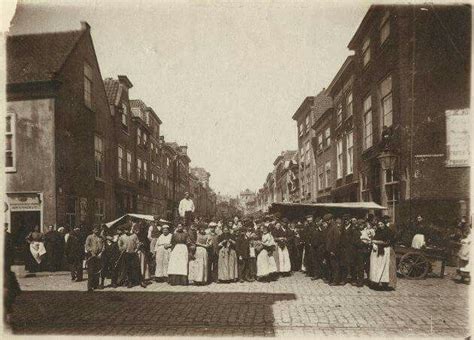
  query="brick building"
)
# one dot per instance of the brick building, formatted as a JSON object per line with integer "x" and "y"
{"x": 57, "y": 110}
{"x": 284, "y": 177}
{"x": 345, "y": 180}
{"x": 304, "y": 121}
{"x": 412, "y": 68}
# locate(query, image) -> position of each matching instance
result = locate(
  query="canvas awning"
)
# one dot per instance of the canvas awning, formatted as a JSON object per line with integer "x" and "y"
{"x": 299, "y": 210}
{"x": 139, "y": 216}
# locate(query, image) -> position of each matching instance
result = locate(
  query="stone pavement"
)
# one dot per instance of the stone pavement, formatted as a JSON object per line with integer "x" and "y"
{"x": 52, "y": 304}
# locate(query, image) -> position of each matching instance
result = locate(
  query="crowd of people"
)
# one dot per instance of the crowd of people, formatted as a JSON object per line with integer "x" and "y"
{"x": 338, "y": 250}
{"x": 335, "y": 249}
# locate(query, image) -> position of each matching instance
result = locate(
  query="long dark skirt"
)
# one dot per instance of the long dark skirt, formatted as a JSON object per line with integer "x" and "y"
{"x": 178, "y": 280}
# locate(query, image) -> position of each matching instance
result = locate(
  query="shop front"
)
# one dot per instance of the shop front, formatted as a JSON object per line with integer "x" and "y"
{"x": 23, "y": 212}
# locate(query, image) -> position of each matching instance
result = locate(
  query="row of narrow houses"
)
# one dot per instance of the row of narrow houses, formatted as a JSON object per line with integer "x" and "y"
{"x": 393, "y": 125}
{"x": 79, "y": 149}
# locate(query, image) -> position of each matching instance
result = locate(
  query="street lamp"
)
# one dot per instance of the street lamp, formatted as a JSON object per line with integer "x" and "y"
{"x": 388, "y": 161}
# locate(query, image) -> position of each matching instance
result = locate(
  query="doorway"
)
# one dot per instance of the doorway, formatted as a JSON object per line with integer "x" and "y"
{"x": 21, "y": 224}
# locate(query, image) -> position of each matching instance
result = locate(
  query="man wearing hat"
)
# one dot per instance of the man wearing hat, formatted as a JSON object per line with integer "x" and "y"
{"x": 332, "y": 247}
{"x": 94, "y": 247}
{"x": 318, "y": 250}
{"x": 109, "y": 258}
{"x": 74, "y": 253}
{"x": 186, "y": 209}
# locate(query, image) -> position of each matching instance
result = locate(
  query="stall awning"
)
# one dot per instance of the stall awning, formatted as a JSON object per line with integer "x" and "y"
{"x": 139, "y": 216}
{"x": 343, "y": 205}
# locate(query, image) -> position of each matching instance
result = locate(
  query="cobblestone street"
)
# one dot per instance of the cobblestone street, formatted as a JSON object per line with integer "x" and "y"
{"x": 51, "y": 304}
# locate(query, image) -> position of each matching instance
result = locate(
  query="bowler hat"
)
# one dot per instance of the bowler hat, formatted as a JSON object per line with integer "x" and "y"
{"x": 327, "y": 217}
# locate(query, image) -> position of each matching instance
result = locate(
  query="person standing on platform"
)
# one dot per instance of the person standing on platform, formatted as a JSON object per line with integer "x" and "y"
{"x": 94, "y": 247}
{"x": 186, "y": 209}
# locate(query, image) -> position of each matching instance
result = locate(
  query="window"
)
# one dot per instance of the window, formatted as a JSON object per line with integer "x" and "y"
{"x": 320, "y": 141}
{"x": 129, "y": 165}
{"x": 88, "y": 85}
{"x": 99, "y": 157}
{"x": 167, "y": 161}
{"x": 385, "y": 89}
{"x": 365, "y": 191}
{"x": 339, "y": 114}
{"x": 121, "y": 162}
{"x": 152, "y": 177}
{"x": 366, "y": 52}
{"x": 71, "y": 211}
{"x": 99, "y": 210}
{"x": 124, "y": 115}
{"x": 307, "y": 123}
{"x": 339, "y": 159}
{"x": 327, "y": 136}
{"x": 349, "y": 104}
{"x": 144, "y": 138}
{"x": 320, "y": 178}
{"x": 385, "y": 27}
{"x": 350, "y": 152}
{"x": 152, "y": 147}
{"x": 300, "y": 129}
{"x": 139, "y": 136}
{"x": 139, "y": 168}
{"x": 145, "y": 171}
{"x": 10, "y": 143}
{"x": 367, "y": 122}
{"x": 328, "y": 174}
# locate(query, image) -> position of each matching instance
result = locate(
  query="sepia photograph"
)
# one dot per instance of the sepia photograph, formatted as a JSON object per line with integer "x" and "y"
{"x": 236, "y": 168}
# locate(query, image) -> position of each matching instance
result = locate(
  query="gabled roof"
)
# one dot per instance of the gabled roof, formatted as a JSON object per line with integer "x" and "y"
{"x": 111, "y": 89}
{"x": 38, "y": 57}
{"x": 340, "y": 73}
{"x": 307, "y": 103}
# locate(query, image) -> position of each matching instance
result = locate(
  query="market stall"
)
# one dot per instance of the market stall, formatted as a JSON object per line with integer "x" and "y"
{"x": 300, "y": 210}
{"x": 124, "y": 219}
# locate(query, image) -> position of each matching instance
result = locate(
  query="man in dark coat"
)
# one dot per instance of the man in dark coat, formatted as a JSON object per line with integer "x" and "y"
{"x": 74, "y": 252}
{"x": 110, "y": 258}
{"x": 347, "y": 249}
{"x": 52, "y": 243}
{"x": 318, "y": 250}
{"x": 332, "y": 247}
{"x": 242, "y": 248}
{"x": 307, "y": 259}
{"x": 292, "y": 246}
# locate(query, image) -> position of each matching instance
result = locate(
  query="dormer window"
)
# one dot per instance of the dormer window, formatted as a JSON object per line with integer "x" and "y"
{"x": 124, "y": 115}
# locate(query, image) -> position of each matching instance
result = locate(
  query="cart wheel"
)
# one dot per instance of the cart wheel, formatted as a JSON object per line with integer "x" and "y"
{"x": 413, "y": 266}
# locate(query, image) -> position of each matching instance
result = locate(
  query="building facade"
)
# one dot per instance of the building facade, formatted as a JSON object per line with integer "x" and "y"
{"x": 304, "y": 120}
{"x": 412, "y": 71}
{"x": 57, "y": 110}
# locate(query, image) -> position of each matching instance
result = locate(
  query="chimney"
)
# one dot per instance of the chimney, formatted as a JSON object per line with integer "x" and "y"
{"x": 184, "y": 149}
{"x": 85, "y": 26}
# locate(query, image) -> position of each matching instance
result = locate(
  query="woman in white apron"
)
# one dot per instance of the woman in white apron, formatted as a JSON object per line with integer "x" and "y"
{"x": 162, "y": 251}
{"x": 178, "y": 263}
{"x": 383, "y": 265}
{"x": 266, "y": 266}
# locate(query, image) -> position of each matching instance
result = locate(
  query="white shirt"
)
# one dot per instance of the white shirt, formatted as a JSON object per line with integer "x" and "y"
{"x": 186, "y": 204}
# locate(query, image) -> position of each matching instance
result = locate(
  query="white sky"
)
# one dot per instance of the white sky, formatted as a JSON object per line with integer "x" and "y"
{"x": 224, "y": 77}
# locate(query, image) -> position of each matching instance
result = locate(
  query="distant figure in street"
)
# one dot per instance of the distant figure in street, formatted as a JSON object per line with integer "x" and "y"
{"x": 74, "y": 255}
{"x": 186, "y": 209}
{"x": 94, "y": 247}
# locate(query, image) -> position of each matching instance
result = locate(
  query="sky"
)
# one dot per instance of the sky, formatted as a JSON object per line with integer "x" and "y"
{"x": 224, "y": 77}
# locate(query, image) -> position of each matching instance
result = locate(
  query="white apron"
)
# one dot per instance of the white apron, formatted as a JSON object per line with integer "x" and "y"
{"x": 37, "y": 249}
{"x": 178, "y": 264}
{"x": 283, "y": 260}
